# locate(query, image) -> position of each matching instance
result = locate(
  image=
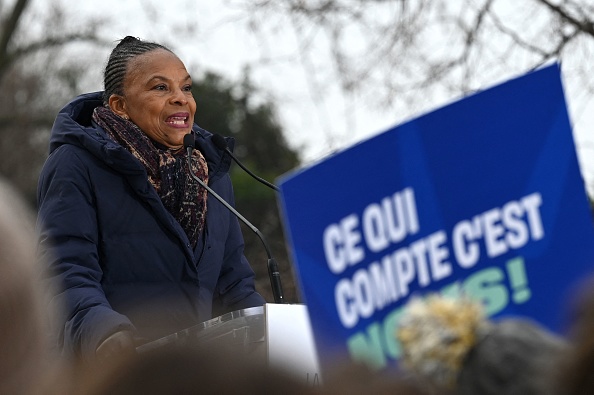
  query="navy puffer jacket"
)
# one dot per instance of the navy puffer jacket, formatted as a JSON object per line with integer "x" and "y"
{"x": 118, "y": 258}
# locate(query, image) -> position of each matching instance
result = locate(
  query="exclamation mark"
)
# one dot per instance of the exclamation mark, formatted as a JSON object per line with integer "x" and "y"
{"x": 518, "y": 280}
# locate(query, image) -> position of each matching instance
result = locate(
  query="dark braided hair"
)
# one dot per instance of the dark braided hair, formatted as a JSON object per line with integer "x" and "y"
{"x": 116, "y": 68}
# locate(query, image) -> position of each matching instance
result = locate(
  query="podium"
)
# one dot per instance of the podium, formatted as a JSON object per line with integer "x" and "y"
{"x": 278, "y": 335}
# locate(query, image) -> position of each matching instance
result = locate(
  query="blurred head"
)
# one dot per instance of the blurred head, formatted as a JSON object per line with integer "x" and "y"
{"x": 449, "y": 344}
{"x": 188, "y": 370}
{"x": 516, "y": 356}
{"x": 24, "y": 356}
{"x": 355, "y": 378}
{"x": 149, "y": 85}
{"x": 576, "y": 373}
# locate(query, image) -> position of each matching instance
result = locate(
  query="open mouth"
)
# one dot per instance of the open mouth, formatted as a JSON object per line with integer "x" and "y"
{"x": 176, "y": 120}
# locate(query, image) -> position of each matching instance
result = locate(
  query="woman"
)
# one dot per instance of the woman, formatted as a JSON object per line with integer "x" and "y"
{"x": 137, "y": 246}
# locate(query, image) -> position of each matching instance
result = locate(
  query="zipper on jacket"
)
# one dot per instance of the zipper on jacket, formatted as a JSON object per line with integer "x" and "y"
{"x": 205, "y": 245}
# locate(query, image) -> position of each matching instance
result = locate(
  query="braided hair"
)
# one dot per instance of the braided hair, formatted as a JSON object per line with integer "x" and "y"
{"x": 116, "y": 68}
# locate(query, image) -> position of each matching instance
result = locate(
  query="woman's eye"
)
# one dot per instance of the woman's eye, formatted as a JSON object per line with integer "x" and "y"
{"x": 160, "y": 87}
{"x": 188, "y": 88}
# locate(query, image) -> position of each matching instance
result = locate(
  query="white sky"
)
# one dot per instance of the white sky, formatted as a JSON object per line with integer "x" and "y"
{"x": 317, "y": 123}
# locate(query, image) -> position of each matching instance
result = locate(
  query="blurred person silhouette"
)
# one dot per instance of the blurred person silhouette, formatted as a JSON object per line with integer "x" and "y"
{"x": 353, "y": 378}
{"x": 577, "y": 370}
{"x": 181, "y": 370}
{"x": 136, "y": 248}
{"x": 208, "y": 370}
{"x": 450, "y": 345}
{"x": 26, "y": 364}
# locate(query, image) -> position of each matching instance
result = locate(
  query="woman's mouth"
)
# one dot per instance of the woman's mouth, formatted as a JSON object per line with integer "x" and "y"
{"x": 178, "y": 120}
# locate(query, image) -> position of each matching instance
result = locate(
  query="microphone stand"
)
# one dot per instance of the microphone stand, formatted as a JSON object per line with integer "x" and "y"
{"x": 220, "y": 142}
{"x": 273, "y": 272}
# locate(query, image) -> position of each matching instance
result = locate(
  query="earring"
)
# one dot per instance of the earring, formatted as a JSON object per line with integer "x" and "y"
{"x": 126, "y": 117}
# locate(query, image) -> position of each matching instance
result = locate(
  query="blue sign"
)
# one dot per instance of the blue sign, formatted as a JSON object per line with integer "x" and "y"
{"x": 482, "y": 197}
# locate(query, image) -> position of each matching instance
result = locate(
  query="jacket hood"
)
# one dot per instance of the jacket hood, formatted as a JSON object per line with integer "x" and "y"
{"x": 74, "y": 125}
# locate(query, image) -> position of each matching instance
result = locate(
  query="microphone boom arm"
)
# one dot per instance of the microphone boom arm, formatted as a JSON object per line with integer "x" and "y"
{"x": 220, "y": 142}
{"x": 263, "y": 181}
{"x": 273, "y": 272}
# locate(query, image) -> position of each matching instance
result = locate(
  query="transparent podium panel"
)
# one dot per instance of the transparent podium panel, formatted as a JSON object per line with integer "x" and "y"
{"x": 241, "y": 331}
{"x": 274, "y": 334}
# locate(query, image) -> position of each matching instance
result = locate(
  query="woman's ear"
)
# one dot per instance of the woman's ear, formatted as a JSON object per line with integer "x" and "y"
{"x": 117, "y": 104}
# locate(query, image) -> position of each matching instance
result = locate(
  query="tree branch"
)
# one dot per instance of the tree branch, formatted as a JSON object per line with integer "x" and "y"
{"x": 584, "y": 26}
{"x": 10, "y": 26}
{"x": 50, "y": 42}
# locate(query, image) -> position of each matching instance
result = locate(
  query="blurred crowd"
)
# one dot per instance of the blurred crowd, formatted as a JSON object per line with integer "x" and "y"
{"x": 449, "y": 347}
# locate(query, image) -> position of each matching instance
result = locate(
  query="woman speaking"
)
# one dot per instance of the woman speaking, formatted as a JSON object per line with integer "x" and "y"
{"x": 136, "y": 247}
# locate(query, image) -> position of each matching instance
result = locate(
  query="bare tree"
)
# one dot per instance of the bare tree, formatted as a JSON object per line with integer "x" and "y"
{"x": 16, "y": 44}
{"x": 9, "y": 26}
{"x": 37, "y": 77}
{"x": 406, "y": 56}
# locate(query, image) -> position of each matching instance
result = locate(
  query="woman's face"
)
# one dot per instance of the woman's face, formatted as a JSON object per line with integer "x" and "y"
{"x": 157, "y": 97}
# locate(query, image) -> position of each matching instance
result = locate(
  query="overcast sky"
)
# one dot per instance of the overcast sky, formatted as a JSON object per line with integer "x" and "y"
{"x": 207, "y": 34}
{"x": 219, "y": 43}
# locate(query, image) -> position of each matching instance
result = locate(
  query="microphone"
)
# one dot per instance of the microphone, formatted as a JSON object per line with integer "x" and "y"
{"x": 273, "y": 273}
{"x": 220, "y": 143}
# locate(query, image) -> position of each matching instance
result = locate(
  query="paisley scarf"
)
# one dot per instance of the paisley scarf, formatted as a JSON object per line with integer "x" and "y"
{"x": 167, "y": 171}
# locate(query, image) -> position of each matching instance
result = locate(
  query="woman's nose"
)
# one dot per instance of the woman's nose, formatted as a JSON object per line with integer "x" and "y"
{"x": 179, "y": 97}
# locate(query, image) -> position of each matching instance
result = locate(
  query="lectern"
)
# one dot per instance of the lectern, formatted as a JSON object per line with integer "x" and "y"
{"x": 277, "y": 334}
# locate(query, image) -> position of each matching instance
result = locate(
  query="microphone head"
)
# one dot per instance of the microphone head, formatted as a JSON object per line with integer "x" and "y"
{"x": 219, "y": 141}
{"x": 189, "y": 140}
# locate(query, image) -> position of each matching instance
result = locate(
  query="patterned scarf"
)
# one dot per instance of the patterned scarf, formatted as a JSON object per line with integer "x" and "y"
{"x": 167, "y": 171}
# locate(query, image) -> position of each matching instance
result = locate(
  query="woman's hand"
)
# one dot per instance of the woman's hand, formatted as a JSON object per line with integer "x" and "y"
{"x": 116, "y": 345}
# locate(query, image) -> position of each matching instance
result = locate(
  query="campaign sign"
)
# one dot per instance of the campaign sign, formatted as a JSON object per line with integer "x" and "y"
{"x": 482, "y": 197}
